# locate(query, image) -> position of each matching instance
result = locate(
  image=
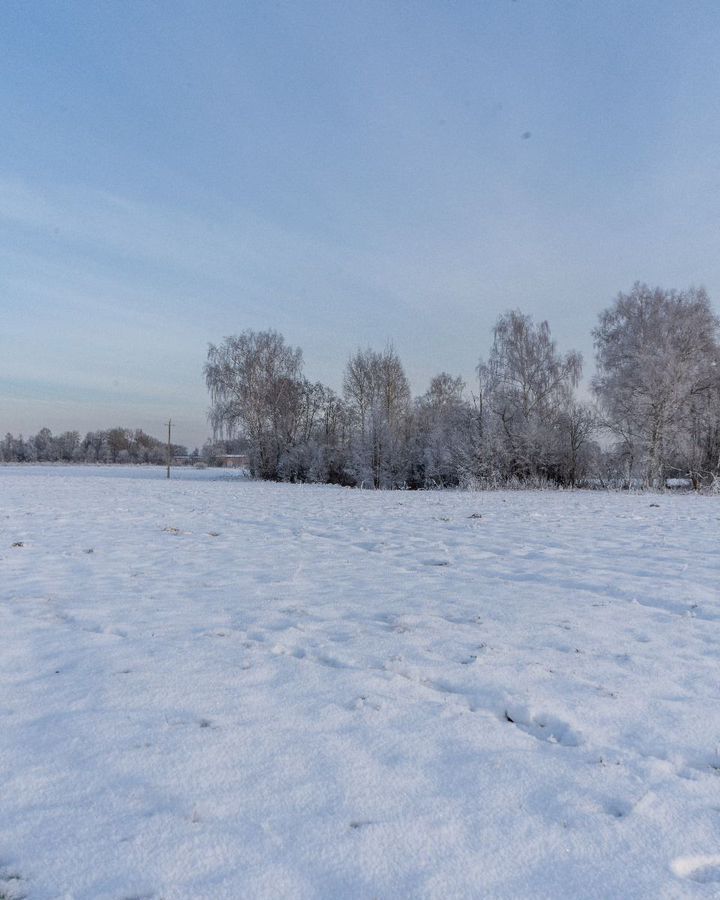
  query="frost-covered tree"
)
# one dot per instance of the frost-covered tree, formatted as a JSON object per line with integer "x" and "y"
{"x": 45, "y": 446}
{"x": 9, "y": 448}
{"x": 377, "y": 393}
{"x": 526, "y": 385}
{"x": 118, "y": 445}
{"x": 657, "y": 385}
{"x": 319, "y": 452}
{"x": 256, "y": 388}
{"x": 658, "y": 364}
{"x": 576, "y": 426}
{"x": 440, "y": 433}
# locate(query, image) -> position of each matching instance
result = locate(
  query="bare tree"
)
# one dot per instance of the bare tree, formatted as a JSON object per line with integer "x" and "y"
{"x": 256, "y": 388}
{"x": 576, "y": 426}
{"x": 527, "y": 383}
{"x": 657, "y": 362}
{"x": 441, "y": 427}
{"x": 658, "y": 386}
{"x": 378, "y": 395}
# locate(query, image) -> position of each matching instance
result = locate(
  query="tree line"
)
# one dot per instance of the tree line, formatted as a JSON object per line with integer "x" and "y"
{"x": 654, "y": 411}
{"x": 115, "y": 445}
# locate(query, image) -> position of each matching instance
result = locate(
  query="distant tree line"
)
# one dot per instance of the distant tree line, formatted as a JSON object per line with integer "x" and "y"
{"x": 116, "y": 445}
{"x": 654, "y": 413}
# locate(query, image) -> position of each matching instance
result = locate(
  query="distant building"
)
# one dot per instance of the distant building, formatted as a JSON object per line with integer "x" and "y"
{"x": 233, "y": 460}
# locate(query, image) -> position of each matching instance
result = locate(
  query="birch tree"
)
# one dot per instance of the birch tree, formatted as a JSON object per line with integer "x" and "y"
{"x": 256, "y": 388}
{"x": 657, "y": 374}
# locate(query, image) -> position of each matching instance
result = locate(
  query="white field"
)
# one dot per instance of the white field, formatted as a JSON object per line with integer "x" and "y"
{"x": 225, "y": 689}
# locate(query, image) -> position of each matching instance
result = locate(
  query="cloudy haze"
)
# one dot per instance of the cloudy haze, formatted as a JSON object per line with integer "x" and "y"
{"x": 345, "y": 173}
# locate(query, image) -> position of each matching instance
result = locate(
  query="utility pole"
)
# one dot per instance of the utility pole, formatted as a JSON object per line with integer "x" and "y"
{"x": 169, "y": 447}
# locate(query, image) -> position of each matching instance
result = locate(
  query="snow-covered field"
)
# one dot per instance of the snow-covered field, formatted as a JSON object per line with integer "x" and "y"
{"x": 213, "y": 688}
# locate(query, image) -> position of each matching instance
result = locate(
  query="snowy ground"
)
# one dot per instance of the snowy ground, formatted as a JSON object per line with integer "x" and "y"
{"x": 223, "y": 689}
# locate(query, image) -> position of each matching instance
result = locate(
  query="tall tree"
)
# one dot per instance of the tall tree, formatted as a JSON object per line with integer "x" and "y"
{"x": 441, "y": 428}
{"x": 377, "y": 392}
{"x": 657, "y": 371}
{"x": 256, "y": 388}
{"x": 527, "y": 383}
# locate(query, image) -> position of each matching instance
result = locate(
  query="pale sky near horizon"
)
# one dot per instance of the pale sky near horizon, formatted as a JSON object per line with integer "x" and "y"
{"x": 346, "y": 173}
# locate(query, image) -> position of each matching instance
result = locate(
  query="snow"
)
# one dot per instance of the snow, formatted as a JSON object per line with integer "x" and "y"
{"x": 216, "y": 688}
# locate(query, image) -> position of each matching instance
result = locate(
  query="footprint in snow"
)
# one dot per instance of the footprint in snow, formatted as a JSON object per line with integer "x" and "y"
{"x": 703, "y": 869}
{"x": 10, "y": 886}
{"x": 331, "y": 662}
{"x": 542, "y": 727}
{"x": 618, "y": 809}
{"x": 363, "y": 702}
{"x": 282, "y": 650}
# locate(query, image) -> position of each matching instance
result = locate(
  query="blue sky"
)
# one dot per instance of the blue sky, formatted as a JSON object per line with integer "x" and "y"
{"x": 347, "y": 173}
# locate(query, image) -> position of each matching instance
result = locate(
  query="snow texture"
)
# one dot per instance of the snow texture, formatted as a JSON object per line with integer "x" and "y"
{"x": 216, "y": 688}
